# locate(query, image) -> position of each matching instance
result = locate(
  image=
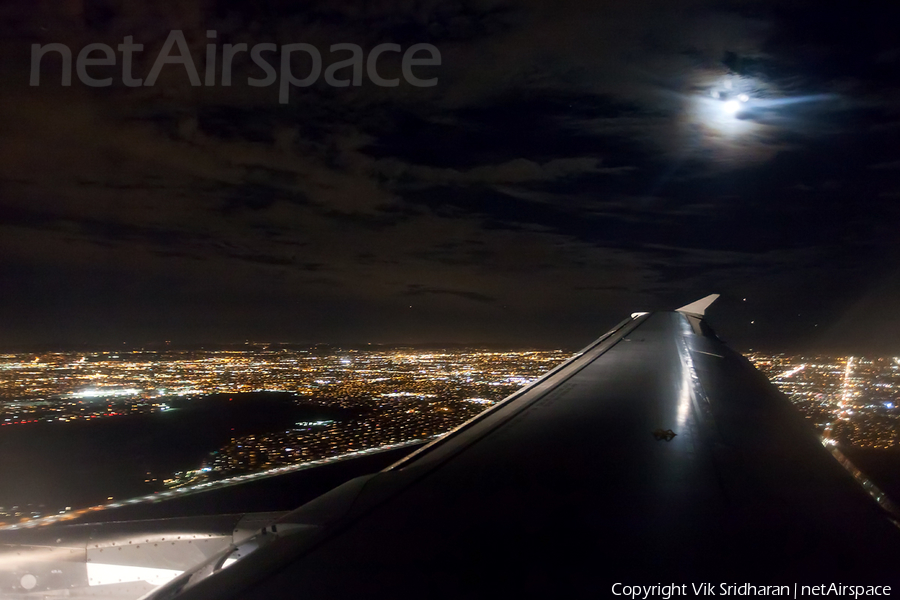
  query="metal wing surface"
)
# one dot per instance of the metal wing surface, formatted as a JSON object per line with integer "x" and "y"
{"x": 655, "y": 455}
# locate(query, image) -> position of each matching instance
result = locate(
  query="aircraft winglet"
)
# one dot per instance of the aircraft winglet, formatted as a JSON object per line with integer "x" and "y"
{"x": 698, "y": 307}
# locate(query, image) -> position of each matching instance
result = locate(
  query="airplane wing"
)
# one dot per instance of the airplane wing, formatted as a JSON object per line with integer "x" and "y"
{"x": 656, "y": 455}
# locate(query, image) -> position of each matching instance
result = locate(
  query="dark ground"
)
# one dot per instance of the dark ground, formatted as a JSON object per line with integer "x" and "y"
{"x": 81, "y": 464}
{"x": 281, "y": 493}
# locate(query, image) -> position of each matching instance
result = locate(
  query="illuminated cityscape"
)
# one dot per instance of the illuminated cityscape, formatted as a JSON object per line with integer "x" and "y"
{"x": 388, "y": 397}
{"x": 394, "y": 396}
{"x": 852, "y": 400}
{"x": 76, "y": 386}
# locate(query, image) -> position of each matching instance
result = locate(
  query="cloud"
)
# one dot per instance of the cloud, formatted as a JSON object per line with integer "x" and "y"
{"x": 562, "y": 150}
{"x": 893, "y": 165}
{"x": 518, "y": 170}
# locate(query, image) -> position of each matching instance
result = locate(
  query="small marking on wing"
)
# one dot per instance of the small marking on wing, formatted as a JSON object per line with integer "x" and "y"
{"x": 664, "y": 434}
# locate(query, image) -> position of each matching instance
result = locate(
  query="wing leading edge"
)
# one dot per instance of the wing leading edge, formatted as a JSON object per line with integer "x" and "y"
{"x": 567, "y": 487}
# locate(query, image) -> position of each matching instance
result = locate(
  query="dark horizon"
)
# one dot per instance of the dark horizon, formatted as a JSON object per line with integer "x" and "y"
{"x": 265, "y": 346}
{"x": 729, "y": 318}
{"x": 796, "y": 349}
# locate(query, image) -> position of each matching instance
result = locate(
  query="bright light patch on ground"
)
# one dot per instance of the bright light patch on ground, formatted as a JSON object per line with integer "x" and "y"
{"x": 100, "y": 574}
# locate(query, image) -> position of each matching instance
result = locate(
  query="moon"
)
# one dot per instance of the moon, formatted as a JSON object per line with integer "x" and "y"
{"x": 731, "y": 107}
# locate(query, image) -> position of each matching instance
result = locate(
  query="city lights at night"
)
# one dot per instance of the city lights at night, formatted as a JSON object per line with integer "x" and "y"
{"x": 406, "y": 396}
{"x": 401, "y": 395}
{"x": 850, "y": 399}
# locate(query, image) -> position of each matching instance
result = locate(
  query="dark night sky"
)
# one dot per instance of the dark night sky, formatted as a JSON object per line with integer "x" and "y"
{"x": 571, "y": 166}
